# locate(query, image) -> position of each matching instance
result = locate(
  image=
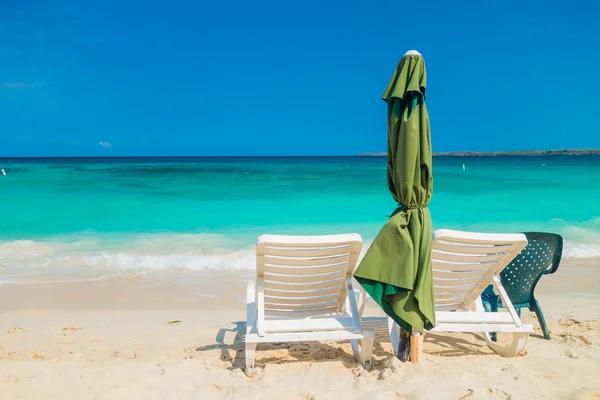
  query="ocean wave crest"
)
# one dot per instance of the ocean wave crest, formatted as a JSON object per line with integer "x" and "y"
{"x": 581, "y": 250}
{"x": 175, "y": 252}
{"x": 154, "y": 252}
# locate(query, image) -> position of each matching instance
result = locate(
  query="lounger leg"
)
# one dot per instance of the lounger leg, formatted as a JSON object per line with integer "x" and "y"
{"x": 490, "y": 303}
{"x": 490, "y": 299}
{"x": 250, "y": 350}
{"x": 355, "y": 349}
{"x": 363, "y": 353}
{"x": 250, "y": 347}
{"x": 513, "y": 349}
{"x": 366, "y": 352}
{"x": 535, "y": 307}
{"x": 394, "y": 334}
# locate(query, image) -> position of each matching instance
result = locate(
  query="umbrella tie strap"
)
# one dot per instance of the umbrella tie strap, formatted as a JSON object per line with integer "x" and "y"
{"x": 403, "y": 208}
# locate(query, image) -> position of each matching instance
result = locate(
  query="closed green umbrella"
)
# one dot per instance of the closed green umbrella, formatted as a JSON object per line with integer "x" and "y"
{"x": 396, "y": 270}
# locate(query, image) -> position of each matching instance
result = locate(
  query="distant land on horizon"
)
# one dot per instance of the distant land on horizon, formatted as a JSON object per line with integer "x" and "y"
{"x": 527, "y": 153}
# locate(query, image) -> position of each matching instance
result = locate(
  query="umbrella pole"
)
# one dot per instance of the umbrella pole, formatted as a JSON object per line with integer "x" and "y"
{"x": 416, "y": 347}
{"x": 403, "y": 350}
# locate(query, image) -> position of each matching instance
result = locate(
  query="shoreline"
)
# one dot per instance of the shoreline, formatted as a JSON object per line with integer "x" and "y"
{"x": 220, "y": 289}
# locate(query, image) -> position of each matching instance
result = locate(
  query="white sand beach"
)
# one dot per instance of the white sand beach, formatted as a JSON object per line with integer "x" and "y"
{"x": 111, "y": 339}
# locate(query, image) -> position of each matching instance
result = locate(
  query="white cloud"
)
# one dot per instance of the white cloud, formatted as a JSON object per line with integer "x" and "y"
{"x": 19, "y": 85}
{"x": 105, "y": 144}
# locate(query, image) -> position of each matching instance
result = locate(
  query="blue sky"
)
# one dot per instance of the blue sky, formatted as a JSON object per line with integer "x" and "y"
{"x": 305, "y": 77}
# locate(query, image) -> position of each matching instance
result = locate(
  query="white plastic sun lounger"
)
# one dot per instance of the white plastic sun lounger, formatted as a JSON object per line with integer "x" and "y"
{"x": 303, "y": 292}
{"x": 464, "y": 264}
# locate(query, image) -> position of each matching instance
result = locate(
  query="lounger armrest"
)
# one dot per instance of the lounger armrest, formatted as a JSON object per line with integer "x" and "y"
{"x": 260, "y": 306}
{"x": 352, "y": 300}
{"x": 250, "y": 307}
{"x": 363, "y": 299}
{"x": 554, "y": 267}
{"x": 550, "y": 270}
{"x": 250, "y": 290}
{"x": 557, "y": 256}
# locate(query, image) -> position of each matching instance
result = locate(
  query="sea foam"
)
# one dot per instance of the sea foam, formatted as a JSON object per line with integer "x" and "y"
{"x": 167, "y": 252}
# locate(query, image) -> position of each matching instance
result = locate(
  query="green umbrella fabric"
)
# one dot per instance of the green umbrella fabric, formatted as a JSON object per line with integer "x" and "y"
{"x": 396, "y": 270}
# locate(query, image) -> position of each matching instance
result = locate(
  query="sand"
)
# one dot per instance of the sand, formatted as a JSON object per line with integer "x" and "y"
{"x": 112, "y": 339}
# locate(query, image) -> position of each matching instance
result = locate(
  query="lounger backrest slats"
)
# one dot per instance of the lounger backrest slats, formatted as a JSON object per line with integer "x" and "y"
{"x": 305, "y": 274}
{"x": 464, "y": 263}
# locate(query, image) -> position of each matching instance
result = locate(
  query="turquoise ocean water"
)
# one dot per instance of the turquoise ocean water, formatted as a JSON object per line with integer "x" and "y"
{"x": 66, "y": 216}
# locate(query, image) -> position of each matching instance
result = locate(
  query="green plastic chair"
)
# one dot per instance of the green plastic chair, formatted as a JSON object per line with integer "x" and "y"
{"x": 541, "y": 257}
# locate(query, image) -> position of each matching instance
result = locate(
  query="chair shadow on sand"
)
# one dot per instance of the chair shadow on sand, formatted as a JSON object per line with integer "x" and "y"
{"x": 230, "y": 343}
{"x": 452, "y": 346}
{"x": 233, "y": 350}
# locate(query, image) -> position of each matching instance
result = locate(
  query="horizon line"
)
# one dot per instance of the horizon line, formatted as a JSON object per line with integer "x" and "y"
{"x": 457, "y": 153}
{"x": 359, "y": 155}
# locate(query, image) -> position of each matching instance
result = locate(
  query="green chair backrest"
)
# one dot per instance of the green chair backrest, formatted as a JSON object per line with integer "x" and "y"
{"x": 542, "y": 254}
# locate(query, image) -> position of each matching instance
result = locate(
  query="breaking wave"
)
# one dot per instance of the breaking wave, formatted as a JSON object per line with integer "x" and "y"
{"x": 102, "y": 257}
